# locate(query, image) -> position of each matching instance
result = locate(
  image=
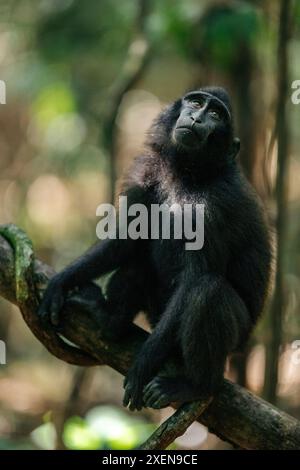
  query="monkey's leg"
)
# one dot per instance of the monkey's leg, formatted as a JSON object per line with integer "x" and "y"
{"x": 154, "y": 352}
{"x": 214, "y": 322}
{"x": 125, "y": 296}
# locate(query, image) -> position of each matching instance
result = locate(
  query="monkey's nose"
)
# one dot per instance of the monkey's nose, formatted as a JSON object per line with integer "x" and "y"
{"x": 198, "y": 119}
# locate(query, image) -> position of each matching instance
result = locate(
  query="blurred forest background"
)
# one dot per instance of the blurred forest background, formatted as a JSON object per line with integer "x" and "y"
{"x": 83, "y": 82}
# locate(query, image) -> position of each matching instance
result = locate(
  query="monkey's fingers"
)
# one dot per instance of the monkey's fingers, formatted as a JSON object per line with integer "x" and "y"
{"x": 56, "y": 306}
{"x": 133, "y": 397}
{"x": 148, "y": 388}
{"x": 127, "y": 396}
{"x": 155, "y": 394}
{"x": 151, "y": 394}
{"x": 136, "y": 402}
{"x": 162, "y": 402}
{"x": 44, "y": 309}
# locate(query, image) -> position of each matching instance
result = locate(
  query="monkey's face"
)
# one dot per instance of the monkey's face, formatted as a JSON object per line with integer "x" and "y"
{"x": 196, "y": 130}
{"x": 202, "y": 116}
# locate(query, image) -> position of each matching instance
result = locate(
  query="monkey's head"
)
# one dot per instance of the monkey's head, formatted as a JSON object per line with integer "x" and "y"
{"x": 198, "y": 129}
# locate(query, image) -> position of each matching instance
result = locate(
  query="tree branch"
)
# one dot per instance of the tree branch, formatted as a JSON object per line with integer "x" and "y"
{"x": 235, "y": 414}
{"x": 175, "y": 426}
{"x": 137, "y": 58}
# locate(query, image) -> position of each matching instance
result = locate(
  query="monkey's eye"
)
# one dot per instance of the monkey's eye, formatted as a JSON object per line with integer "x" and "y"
{"x": 197, "y": 103}
{"x": 215, "y": 114}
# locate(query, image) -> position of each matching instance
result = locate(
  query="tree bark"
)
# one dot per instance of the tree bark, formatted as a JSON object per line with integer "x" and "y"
{"x": 235, "y": 415}
{"x": 278, "y": 301}
{"x": 175, "y": 426}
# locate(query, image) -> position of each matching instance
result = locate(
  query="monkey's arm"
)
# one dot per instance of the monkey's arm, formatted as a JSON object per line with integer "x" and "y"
{"x": 102, "y": 258}
{"x": 250, "y": 273}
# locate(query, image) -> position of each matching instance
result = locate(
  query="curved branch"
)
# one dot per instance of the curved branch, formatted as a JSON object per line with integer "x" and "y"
{"x": 26, "y": 278}
{"x": 235, "y": 414}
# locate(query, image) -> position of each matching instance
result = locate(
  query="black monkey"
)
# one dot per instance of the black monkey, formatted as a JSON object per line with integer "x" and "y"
{"x": 201, "y": 304}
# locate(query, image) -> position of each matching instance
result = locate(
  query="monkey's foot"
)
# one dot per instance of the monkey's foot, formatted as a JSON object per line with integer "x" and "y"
{"x": 162, "y": 391}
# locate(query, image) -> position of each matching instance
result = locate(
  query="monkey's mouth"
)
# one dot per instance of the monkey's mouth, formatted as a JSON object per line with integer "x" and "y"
{"x": 187, "y": 129}
{"x": 189, "y": 136}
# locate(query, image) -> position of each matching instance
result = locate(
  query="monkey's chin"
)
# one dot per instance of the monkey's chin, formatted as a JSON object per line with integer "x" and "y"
{"x": 186, "y": 138}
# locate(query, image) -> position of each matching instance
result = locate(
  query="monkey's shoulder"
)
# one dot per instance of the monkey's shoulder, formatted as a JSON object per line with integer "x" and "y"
{"x": 143, "y": 173}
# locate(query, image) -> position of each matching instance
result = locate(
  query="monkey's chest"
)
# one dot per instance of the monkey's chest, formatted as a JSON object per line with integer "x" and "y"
{"x": 192, "y": 238}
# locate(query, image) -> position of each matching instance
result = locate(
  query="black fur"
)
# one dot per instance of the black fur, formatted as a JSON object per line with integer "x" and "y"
{"x": 201, "y": 304}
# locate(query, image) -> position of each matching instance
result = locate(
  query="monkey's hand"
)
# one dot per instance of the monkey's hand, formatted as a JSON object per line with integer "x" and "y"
{"x": 53, "y": 299}
{"x": 134, "y": 384}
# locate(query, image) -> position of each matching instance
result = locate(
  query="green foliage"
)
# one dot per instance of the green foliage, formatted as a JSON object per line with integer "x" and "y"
{"x": 78, "y": 436}
{"x": 297, "y": 16}
{"x": 81, "y": 29}
{"x": 171, "y": 22}
{"x": 8, "y": 444}
{"x": 52, "y": 101}
{"x": 223, "y": 32}
{"x": 103, "y": 427}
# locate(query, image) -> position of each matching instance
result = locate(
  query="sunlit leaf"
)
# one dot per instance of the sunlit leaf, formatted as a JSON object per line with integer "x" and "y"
{"x": 51, "y": 102}
{"x": 113, "y": 426}
{"x": 78, "y": 435}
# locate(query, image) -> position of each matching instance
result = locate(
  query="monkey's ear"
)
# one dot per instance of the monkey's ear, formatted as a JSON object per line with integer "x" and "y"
{"x": 235, "y": 148}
